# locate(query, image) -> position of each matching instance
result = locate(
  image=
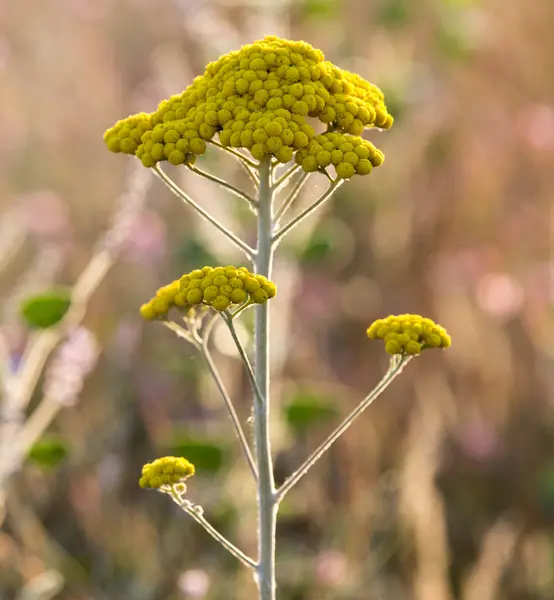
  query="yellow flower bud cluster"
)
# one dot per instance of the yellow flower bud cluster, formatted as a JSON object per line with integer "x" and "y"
{"x": 408, "y": 334}
{"x": 168, "y": 470}
{"x": 349, "y": 154}
{"x": 258, "y": 98}
{"x": 126, "y": 135}
{"x": 218, "y": 287}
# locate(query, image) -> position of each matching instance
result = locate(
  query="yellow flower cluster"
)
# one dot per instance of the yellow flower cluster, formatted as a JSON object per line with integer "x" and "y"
{"x": 408, "y": 334}
{"x": 218, "y": 287}
{"x": 169, "y": 470}
{"x": 349, "y": 154}
{"x": 258, "y": 98}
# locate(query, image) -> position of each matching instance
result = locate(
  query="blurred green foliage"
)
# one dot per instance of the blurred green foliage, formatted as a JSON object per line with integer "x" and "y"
{"x": 46, "y": 309}
{"x": 307, "y": 409}
{"x": 48, "y": 452}
{"x": 207, "y": 456}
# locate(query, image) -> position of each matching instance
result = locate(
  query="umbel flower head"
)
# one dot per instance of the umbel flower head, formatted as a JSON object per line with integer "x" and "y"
{"x": 260, "y": 98}
{"x": 169, "y": 470}
{"x": 408, "y": 334}
{"x": 218, "y": 287}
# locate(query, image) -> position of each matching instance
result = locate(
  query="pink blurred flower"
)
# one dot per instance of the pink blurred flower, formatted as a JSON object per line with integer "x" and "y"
{"x": 499, "y": 294}
{"x": 331, "y": 568}
{"x": 536, "y": 125}
{"x": 194, "y": 583}
{"x": 478, "y": 440}
{"x": 146, "y": 238}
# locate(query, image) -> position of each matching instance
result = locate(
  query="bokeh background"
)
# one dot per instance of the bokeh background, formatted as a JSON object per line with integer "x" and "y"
{"x": 445, "y": 488}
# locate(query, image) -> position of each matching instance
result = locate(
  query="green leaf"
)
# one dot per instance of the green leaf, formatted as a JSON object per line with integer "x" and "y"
{"x": 48, "y": 452}
{"x": 306, "y": 410}
{"x": 205, "y": 455}
{"x": 46, "y": 309}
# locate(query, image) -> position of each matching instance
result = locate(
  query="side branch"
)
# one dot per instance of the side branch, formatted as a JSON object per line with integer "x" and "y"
{"x": 189, "y": 508}
{"x": 202, "y": 346}
{"x": 234, "y": 190}
{"x": 286, "y": 228}
{"x": 290, "y": 198}
{"x": 285, "y": 177}
{"x": 397, "y": 364}
{"x": 247, "y": 365}
{"x": 250, "y": 252}
{"x": 231, "y": 409}
{"x": 250, "y": 166}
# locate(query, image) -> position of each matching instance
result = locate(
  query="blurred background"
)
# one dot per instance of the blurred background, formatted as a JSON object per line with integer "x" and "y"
{"x": 444, "y": 489}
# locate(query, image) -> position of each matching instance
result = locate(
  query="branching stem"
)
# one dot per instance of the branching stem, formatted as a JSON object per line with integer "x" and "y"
{"x": 202, "y": 345}
{"x": 397, "y": 364}
{"x": 250, "y": 252}
{"x": 233, "y": 189}
{"x": 284, "y": 177}
{"x": 287, "y": 202}
{"x": 189, "y": 508}
{"x": 296, "y": 220}
{"x": 242, "y": 352}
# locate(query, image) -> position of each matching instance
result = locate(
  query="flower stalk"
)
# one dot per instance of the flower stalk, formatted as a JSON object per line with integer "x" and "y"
{"x": 258, "y": 101}
{"x": 267, "y": 506}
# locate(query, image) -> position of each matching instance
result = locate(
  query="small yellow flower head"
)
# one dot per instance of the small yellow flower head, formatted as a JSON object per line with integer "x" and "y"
{"x": 259, "y": 99}
{"x": 170, "y": 470}
{"x": 408, "y": 334}
{"x": 218, "y": 287}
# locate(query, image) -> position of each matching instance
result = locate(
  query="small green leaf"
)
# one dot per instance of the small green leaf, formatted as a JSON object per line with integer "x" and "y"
{"x": 306, "y": 410}
{"x": 45, "y": 310}
{"x": 205, "y": 455}
{"x": 48, "y": 452}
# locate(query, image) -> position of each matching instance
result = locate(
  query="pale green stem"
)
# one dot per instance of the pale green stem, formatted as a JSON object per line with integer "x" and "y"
{"x": 249, "y": 166}
{"x": 250, "y": 252}
{"x": 202, "y": 346}
{"x": 231, "y": 409}
{"x": 241, "y": 308}
{"x": 246, "y": 361}
{"x": 37, "y": 423}
{"x": 233, "y": 189}
{"x": 182, "y": 333}
{"x": 397, "y": 364}
{"x": 199, "y": 518}
{"x": 236, "y": 153}
{"x": 290, "y": 198}
{"x": 267, "y": 506}
{"x": 286, "y": 228}
{"x": 284, "y": 177}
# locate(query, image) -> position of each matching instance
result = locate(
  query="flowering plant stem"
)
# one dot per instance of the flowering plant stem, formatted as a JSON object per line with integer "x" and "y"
{"x": 267, "y": 505}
